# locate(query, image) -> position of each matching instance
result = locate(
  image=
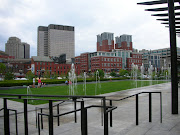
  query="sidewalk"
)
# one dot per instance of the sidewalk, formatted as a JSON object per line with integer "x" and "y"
{"x": 123, "y": 116}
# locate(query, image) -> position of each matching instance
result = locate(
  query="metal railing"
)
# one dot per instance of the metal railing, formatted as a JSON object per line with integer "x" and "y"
{"x": 75, "y": 99}
{"x": 137, "y": 105}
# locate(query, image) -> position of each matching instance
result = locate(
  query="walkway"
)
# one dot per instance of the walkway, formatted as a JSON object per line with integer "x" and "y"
{"x": 123, "y": 116}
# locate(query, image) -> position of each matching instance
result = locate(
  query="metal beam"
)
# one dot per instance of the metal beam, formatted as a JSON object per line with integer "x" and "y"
{"x": 174, "y": 79}
{"x": 155, "y": 2}
{"x": 166, "y": 19}
{"x": 162, "y": 9}
{"x": 168, "y": 23}
{"x": 165, "y": 14}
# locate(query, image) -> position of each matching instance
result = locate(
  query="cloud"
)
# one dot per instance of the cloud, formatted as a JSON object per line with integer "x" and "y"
{"x": 21, "y": 19}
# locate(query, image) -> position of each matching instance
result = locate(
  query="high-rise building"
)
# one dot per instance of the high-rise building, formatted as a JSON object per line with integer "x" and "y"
{"x": 20, "y": 50}
{"x": 105, "y": 42}
{"x": 26, "y": 50}
{"x": 55, "y": 40}
{"x": 124, "y": 42}
{"x": 15, "y": 48}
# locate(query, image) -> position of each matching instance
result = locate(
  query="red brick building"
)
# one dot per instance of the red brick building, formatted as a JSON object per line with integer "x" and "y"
{"x": 105, "y": 42}
{"x": 136, "y": 58}
{"x": 107, "y": 64}
{"x": 40, "y": 64}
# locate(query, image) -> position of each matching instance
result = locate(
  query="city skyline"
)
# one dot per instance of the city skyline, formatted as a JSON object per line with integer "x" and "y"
{"x": 89, "y": 18}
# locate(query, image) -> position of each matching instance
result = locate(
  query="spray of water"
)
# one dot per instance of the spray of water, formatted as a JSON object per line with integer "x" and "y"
{"x": 84, "y": 84}
{"x": 72, "y": 81}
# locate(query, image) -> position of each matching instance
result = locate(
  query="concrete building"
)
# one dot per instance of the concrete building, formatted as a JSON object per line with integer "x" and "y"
{"x": 105, "y": 42}
{"x": 159, "y": 58}
{"x": 55, "y": 40}
{"x": 124, "y": 42}
{"x": 14, "y": 47}
{"x": 26, "y": 50}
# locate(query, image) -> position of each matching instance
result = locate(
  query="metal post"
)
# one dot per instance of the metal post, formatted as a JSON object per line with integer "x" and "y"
{"x": 41, "y": 119}
{"x": 36, "y": 116}
{"x": 110, "y": 114}
{"x": 137, "y": 119}
{"x": 25, "y": 117}
{"x": 6, "y": 118}
{"x": 75, "y": 113}
{"x": 161, "y": 107}
{"x": 174, "y": 79}
{"x": 105, "y": 118}
{"x": 58, "y": 114}
{"x": 150, "y": 108}
{"x": 84, "y": 130}
{"x": 38, "y": 125}
{"x": 16, "y": 122}
{"x": 50, "y": 118}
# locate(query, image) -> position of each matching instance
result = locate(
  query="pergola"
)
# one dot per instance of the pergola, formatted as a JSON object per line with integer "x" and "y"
{"x": 173, "y": 23}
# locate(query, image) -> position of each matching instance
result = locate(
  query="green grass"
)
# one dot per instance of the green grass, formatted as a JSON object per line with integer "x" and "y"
{"x": 106, "y": 87}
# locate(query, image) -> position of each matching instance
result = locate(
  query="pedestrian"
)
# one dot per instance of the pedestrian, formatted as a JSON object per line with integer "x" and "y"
{"x": 34, "y": 82}
{"x": 39, "y": 83}
{"x": 66, "y": 82}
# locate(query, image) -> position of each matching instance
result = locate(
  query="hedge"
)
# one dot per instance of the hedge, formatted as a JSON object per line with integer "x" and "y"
{"x": 9, "y": 83}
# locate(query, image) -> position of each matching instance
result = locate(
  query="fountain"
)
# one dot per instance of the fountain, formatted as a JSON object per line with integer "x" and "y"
{"x": 72, "y": 81}
{"x": 29, "y": 92}
{"x": 134, "y": 73}
{"x": 150, "y": 72}
{"x": 98, "y": 83}
{"x": 84, "y": 85}
{"x": 142, "y": 73}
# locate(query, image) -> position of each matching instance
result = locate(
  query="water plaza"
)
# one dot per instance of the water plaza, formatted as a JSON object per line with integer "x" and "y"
{"x": 141, "y": 110}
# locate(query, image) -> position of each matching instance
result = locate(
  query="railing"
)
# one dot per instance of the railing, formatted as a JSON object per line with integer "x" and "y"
{"x": 83, "y": 109}
{"x": 75, "y": 99}
{"x": 15, "y": 111}
{"x": 137, "y": 106}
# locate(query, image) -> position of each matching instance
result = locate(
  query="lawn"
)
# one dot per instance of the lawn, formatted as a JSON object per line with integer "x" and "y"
{"x": 104, "y": 87}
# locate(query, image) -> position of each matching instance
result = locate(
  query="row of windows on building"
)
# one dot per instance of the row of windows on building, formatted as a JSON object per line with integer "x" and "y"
{"x": 50, "y": 68}
{"x": 135, "y": 61}
{"x": 107, "y": 65}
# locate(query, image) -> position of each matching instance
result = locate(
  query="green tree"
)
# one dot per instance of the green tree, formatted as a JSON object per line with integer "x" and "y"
{"x": 9, "y": 76}
{"x": 113, "y": 73}
{"x": 55, "y": 75}
{"x": 30, "y": 75}
{"x": 123, "y": 72}
{"x": 2, "y": 68}
{"x": 101, "y": 73}
{"x": 46, "y": 74}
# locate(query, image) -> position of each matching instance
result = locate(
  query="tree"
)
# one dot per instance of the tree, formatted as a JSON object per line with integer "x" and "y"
{"x": 101, "y": 73}
{"x": 55, "y": 75}
{"x": 30, "y": 75}
{"x": 2, "y": 68}
{"x": 123, "y": 72}
{"x": 9, "y": 76}
{"x": 46, "y": 74}
{"x": 113, "y": 73}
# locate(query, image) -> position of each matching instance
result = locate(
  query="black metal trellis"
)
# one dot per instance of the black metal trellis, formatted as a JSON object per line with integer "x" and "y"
{"x": 173, "y": 22}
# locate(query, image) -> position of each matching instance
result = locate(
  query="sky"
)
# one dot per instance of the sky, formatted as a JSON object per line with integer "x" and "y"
{"x": 21, "y": 18}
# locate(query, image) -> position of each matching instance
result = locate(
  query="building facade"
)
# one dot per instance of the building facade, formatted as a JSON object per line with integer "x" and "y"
{"x": 56, "y": 40}
{"x": 105, "y": 42}
{"x": 43, "y": 63}
{"x": 124, "y": 42}
{"x": 14, "y": 47}
{"x": 159, "y": 58}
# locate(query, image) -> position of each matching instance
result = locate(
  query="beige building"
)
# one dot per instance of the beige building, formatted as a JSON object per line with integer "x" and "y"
{"x": 56, "y": 40}
{"x": 14, "y": 47}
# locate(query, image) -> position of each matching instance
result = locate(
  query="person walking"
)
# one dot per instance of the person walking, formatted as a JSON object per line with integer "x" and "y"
{"x": 34, "y": 82}
{"x": 39, "y": 83}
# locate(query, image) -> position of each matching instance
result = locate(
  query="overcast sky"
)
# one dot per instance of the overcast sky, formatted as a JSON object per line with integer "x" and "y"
{"x": 21, "y": 18}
